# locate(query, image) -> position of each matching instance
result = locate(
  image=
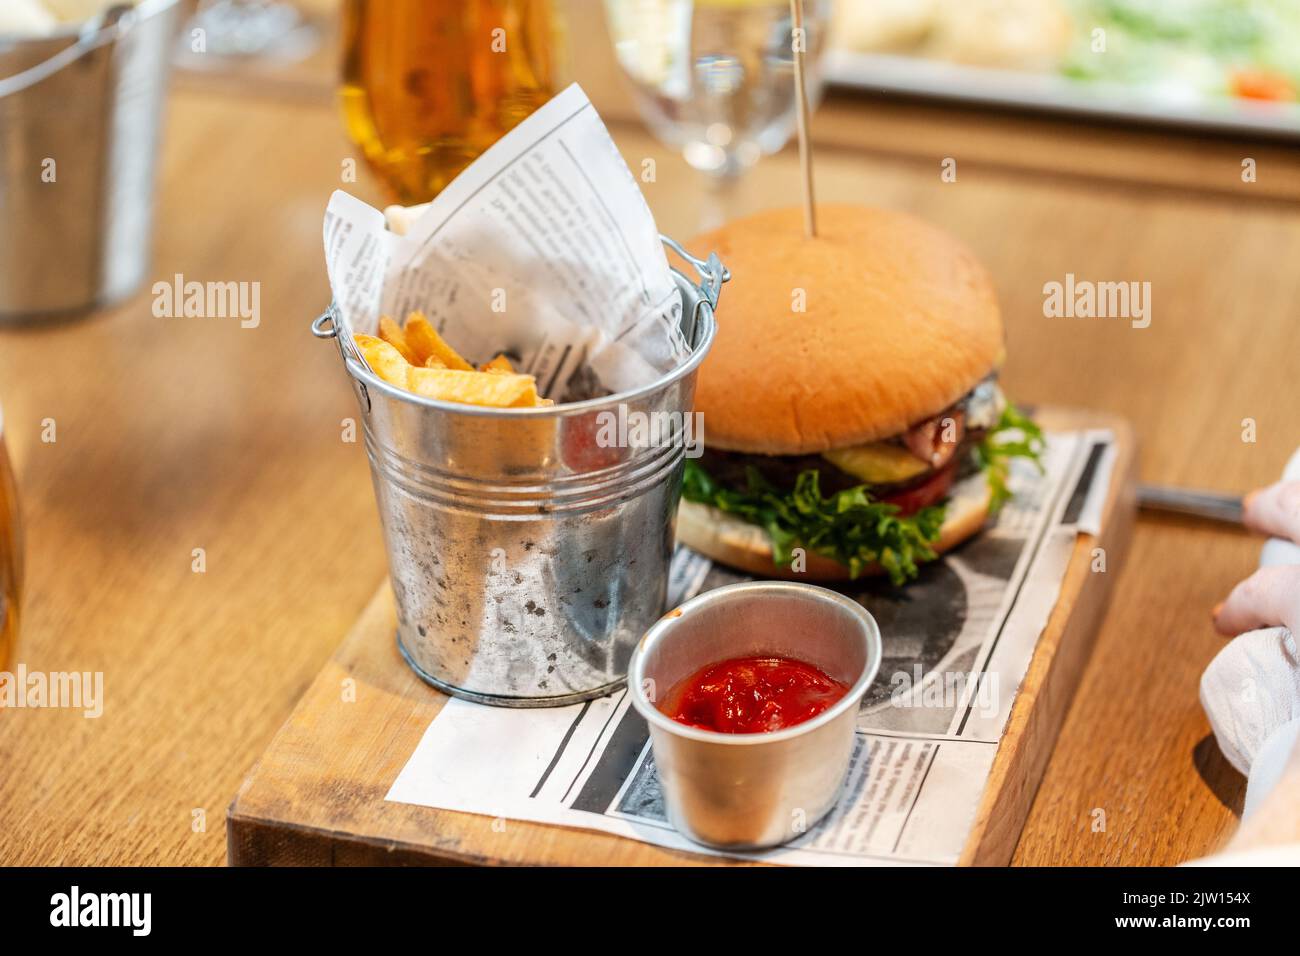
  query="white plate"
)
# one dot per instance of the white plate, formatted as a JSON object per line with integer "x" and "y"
{"x": 1170, "y": 105}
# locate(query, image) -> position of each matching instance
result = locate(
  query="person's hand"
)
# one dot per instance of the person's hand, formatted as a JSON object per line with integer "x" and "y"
{"x": 1271, "y": 596}
{"x": 1251, "y": 690}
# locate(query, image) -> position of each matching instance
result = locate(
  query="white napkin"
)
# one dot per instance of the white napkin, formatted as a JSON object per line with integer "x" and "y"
{"x": 26, "y": 18}
{"x": 78, "y": 11}
{"x": 1251, "y": 690}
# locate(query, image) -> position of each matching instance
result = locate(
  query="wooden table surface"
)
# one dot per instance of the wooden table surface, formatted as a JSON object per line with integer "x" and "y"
{"x": 179, "y": 434}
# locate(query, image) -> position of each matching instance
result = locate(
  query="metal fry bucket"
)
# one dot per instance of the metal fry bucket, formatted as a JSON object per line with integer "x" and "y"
{"x": 79, "y": 129}
{"x": 526, "y": 559}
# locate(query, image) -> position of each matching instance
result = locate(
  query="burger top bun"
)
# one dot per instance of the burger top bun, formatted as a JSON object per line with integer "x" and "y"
{"x": 901, "y": 321}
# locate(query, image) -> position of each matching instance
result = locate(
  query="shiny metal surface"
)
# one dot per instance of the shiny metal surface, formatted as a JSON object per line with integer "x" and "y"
{"x": 1196, "y": 504}
{"x": 526, "y": 560}
{"x": 748, "y": 791}
{"x": 79, "y": 129}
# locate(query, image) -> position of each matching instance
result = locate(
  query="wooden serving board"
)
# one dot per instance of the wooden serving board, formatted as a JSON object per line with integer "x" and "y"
{"x": 316, "y": 797}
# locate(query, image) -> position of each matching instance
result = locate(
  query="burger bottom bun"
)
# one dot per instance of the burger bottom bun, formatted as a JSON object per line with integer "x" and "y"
{"x": 735, "y": 542}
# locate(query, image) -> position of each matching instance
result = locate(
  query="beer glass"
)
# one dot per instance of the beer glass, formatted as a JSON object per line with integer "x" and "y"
{"x": 11, "y": 556}
{"x": 428, "y": 85}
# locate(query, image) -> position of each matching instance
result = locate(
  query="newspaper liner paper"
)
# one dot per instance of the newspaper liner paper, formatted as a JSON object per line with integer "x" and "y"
{"x": 920, "y": 765}
{"x": 529, "y": 251}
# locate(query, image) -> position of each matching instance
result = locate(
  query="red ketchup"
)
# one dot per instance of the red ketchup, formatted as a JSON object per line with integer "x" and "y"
{"x": 752, "y": 695}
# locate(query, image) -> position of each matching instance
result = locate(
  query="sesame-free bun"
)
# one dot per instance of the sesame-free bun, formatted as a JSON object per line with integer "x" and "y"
{"x": 901, "y": 321}
{"x": 732, "y": 541}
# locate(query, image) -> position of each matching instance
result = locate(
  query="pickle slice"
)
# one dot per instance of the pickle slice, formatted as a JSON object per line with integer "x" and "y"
{"x": 877, "y": 463}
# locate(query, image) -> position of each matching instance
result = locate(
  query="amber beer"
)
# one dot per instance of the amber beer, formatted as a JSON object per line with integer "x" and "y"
{"x": 10, "y": 557}
{"x": 428, "y": 85}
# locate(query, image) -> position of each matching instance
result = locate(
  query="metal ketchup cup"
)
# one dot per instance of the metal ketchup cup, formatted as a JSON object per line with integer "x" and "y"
{"x": 750, "y": 791}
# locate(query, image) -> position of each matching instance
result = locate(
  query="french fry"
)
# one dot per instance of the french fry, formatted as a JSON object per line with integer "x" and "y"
{"x": 384, "y": 359}
{"x": 425, "y": 342}
{"x": 494, "y": 386}
{"x": 391, "y": 333}
{"x": 472, "y": 387}
{"x": 499, "y": 365}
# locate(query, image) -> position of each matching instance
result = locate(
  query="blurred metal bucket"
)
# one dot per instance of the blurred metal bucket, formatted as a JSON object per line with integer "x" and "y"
{"x": 526, "y": 558}
{"x": 80, "y": 115}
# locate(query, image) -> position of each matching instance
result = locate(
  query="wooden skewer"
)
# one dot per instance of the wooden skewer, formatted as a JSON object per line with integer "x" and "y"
{"x": 801, "y": 109}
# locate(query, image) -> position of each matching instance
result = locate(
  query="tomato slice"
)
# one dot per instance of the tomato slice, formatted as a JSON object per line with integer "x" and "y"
{"x": 931, "y": 491}
{"x": 1262, "y": 85}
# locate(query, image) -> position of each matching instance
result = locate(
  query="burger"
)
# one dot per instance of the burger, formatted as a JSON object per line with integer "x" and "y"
{"x": 852, "y": 419}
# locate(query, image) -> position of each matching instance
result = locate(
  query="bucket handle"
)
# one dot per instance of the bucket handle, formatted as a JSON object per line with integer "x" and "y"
{"x": 325, "y": 327}
{"x": 108, "y": 27}
{"x": 712, "y": 272}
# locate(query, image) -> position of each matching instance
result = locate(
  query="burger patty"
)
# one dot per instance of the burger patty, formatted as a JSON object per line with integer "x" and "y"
{"x": 782, "y": 471}
{"x": 927, "y": 441}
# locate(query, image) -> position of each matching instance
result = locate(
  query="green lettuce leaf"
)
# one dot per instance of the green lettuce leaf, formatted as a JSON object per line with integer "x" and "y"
{"x": 850, "y": 526}
{"x": 1014, "y": 436}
